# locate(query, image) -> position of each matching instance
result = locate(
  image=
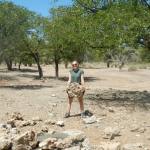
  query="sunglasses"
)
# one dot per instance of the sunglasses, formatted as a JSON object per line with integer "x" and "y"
{"x": 74, "y": 64}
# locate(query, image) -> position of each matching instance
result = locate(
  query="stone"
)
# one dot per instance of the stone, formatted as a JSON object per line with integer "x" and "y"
{"x": 74, "y": 132}
{"x": 26, "y": 123}
{"x": 73, "y": 148}
{"x": 14, "y": 131}
{"x": 28, "y": 138}
{"x": 110, "y": 133}
{"x": 86, "y": 144}
{"x": 12, "y": 123}
{"x": 47, "y": 143}
{"x": 36, "y": 119}
{"x": 100, "y": 119}
{"x": 74, "y": 136}
{"x": 44, "y": 129}
{"x": 21, "y": 147}
{"x": 109, "y": 146}
{"x": 60, "y": 123}
{"x": 142, "y": 130}
{"x": 59, "y": 144}
{"x": 134, "y": 128}
{"x": 3, "y": 132}
{"x": 137, "y": 128}
{"x": 17, "y": 116}
{"x": 8, "y": 126}
{"x": 50, "y": 122}
{"x": 90, "y": 120}
{"x": 53, "y": 95}
{"x": 5, "y": 126}
{"x": 75, "y": 90}
{"x": 134, "y": 146}
{"x": 110, "y": 109}
{"x": 51, "y": 115}
{"x": 51, "y": 131}
{"x": 5, "y": 144}
{"x": 2, "y": 125}
{"x": 62, "y": 140}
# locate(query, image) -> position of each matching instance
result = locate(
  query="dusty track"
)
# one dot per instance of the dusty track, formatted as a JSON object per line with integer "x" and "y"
{"x": 21, "y": 92}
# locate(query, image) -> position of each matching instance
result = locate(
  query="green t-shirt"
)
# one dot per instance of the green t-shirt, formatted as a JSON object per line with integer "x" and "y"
{"x": 76, "y": 75}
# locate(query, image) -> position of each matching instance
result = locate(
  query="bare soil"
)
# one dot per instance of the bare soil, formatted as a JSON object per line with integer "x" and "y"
{"x": 21, "y": 91}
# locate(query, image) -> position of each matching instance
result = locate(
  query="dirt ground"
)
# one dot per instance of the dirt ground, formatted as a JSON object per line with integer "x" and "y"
{"x": 20, "y": 91}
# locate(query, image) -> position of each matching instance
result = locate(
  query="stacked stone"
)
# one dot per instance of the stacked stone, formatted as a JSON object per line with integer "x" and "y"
{"x": 75, "y": 90}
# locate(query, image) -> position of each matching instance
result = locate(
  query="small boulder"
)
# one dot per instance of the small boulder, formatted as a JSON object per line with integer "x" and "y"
{"x": 47, "y": 143}
{"x": 44, "y": 129}
{"x": 25, "y": 123}
{"x": 36, "y": 119}
{"x": 110, "y": 133}
{"x": 90, "y": 120}
{"x": 12, "y": 123}
{"x": 137, "y": 128}
{"x": 21, "y": 147}
{"x": 50, "y": 122}
{"x": 60, "y": 123}
{"x": 74, "y": 136}
{"x": 110, "y": 109}
{"x": 110, "y": 146}
{"x": 5, "y": 144}
{"x": 28, "y": 138}
{"x": 17, "y": 116}
{"x": 86, "y": 144}
{"x": 14, "y": 131}
{"x": 73, "y": 148}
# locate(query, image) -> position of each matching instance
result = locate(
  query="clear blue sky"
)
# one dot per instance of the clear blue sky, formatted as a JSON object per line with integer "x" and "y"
{"x": 41, "y": 6}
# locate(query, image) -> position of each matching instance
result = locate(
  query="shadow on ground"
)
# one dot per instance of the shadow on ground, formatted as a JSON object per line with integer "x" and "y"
{"x": 118, "y": 98}
{"x": 28, "y": 70}
{"x": 8, "y": 78}
{"x": 87, "y": 79}
{"x": 27, "y": 87}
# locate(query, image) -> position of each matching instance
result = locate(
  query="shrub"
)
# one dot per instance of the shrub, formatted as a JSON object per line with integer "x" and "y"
{"x": 132, "y": 68}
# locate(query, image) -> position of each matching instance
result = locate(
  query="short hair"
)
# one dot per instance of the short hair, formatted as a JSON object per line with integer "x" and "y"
{"x": 75, "y": 61}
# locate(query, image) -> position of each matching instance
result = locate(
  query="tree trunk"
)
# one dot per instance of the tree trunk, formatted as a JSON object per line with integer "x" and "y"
{"x": 37, "y": 60}
{"x": 40, "y": 70}
{"x": 9, "y": 64}
{"x": 19, "y": 66}
{"x": 56, "y": 67}
{"x": 108, "y": 64}
{"x": 66, "y": 64}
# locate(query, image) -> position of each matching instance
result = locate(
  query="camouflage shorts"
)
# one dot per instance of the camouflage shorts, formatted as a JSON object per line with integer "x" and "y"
{"x": 75, "y": 90}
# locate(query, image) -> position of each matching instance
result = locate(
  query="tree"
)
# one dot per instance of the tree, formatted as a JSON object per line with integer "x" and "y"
{"x": 33, "y": 41}
{"x": 64, "y": 36}
{"x": 13, "y": 24}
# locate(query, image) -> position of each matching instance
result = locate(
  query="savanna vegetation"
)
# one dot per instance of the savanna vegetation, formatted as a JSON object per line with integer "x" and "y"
{"x": 116, "y": 32}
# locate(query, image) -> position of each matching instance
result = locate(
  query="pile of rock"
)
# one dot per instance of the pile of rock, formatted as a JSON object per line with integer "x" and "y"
{"x": 17, "y": 120}
{"x": 11, "y": 137}
{"x": 75, "y": 90}
{"x": 30, "y": 140}
{"x": 63, "y": 140}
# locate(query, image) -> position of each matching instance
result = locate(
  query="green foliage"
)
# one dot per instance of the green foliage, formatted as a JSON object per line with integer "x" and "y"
{"x": 132, "y": 68}
{"x": 89, "y": 30}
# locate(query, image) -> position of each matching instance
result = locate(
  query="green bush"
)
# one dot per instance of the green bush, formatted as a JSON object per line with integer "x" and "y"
{"x": 132, "y": 68}
{"x": 143, "y": 67}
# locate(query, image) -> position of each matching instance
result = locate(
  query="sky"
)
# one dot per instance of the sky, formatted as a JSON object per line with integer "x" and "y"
{"x": 41, "y": 6}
